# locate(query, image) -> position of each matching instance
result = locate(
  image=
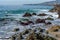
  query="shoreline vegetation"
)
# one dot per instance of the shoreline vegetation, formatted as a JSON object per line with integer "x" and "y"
{"x": 48, "y": 31}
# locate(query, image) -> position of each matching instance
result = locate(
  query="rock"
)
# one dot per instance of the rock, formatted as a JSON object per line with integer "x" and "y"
{"x": 54, "y": 28}
{"x": 19, "y": 36}
{"x": 2, "y": 19}
{"x": 56, "y": 9}
{"x": 40, "y": 21}
{"x": 53, "y": 10}
{"x": 43, "y": 14}
{"x": 30, "y": 22}
{"x": 16, "y": 29}
{"x": 13, "y": 37}
{"x": 48, "y": 23}
{"x": 42, "y": 30}
{"x": 49, "y": 18}
{"x": 59, "y": 14}
{"x": 23, "y": 23}
{"x": 31, "y": 36}
{"x": 27, "y": 14}
{"x": 25, "y": 32}
{"x": 26, "y": 23}
{"x": 34, "y": 14}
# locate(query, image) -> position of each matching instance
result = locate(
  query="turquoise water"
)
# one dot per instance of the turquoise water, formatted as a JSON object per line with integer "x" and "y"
{"x": 21, "y": 9}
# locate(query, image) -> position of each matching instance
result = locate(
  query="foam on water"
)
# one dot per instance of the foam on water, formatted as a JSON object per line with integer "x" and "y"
{"x": 7, "y": 30}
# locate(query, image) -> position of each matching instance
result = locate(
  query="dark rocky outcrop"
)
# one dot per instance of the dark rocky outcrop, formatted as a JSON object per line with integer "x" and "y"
{"x": 27, "y": 14}
{"x": 25, "y": 32}
{"x": 40, "y": 21}
{"x": 43, "y": 14}
{"x": 16, "y": 29}
{"x": 26, "y": 23}
{"x": 34, "y": 14}
{"x": 49, "y": 18}
{"x": 48, "y": 23}
{"x": 22, "y": 23}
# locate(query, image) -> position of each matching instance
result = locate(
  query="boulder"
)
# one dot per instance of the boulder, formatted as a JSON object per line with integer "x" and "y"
{"x": 43, "y": 14}
{"x": 25, "y": 32}
{"x": 16, "y": 29}
{"x": 26, "y": 23}
{"x": 34, "y": 14}
{"x": 40, "y": 21}
{"x": 30, "y": 22}
{"x": 48, "y": 23}
{"x": 49, "y": 18}
{"x": 22, "y": 23}
{"x": 27, "y": 14}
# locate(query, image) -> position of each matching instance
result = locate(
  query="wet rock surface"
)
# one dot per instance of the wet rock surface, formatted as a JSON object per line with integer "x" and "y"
{"x": 34, "y": 14}
{"x": 27, "y": 14}
{"x": 49, "y": 18}
{"x": 26, "y": 23}
{"x": 48, "y": 23}
{"x": 43, "y": 14}
{"x": 40, "y": 21}
{"x": 16, "y": 29}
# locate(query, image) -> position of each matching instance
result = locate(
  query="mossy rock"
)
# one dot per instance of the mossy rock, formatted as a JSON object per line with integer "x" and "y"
{"x": 49, "y": 18}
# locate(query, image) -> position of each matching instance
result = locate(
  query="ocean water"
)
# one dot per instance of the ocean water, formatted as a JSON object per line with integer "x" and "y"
{"x": 21, "y": 9}
{"x": 15, "y": 12}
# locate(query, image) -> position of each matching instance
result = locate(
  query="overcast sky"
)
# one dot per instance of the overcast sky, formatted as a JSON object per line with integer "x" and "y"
{"x": 19, "y": 2}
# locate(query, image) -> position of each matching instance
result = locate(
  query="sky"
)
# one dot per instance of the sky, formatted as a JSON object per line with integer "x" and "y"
{"x": 20, "y": 2}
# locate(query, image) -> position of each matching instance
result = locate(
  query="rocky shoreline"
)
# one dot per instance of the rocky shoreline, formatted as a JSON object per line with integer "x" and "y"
{"x": 36, "y": 26}
{"x": 56, "y": 9}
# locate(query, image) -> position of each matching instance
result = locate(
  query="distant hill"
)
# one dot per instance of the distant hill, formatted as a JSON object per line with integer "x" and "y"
{"x": 46, "y": 3}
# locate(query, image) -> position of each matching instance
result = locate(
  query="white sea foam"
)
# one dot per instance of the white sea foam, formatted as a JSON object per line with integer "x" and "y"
{"x": 8, "y": 28}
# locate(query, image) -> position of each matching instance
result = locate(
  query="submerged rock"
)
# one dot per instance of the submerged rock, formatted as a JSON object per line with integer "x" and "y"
{"x": 27, "y": 14}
